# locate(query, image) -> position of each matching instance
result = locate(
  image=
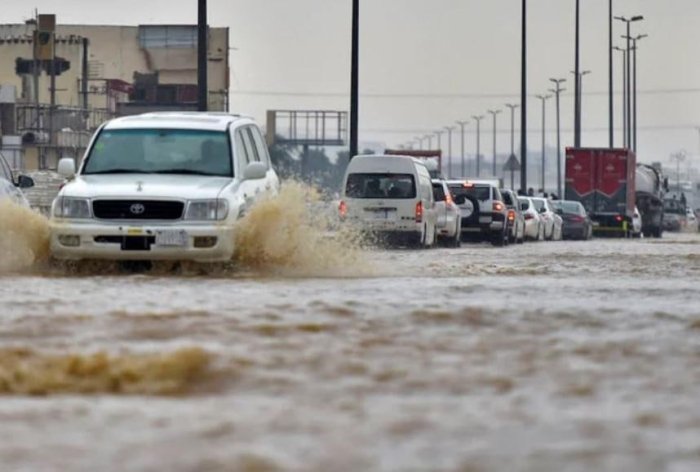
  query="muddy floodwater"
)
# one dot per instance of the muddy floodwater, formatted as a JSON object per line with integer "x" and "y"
{"x": 565, "y": 356}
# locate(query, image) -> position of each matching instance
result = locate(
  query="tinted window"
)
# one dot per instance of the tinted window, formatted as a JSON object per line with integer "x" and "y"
{"x": 508, "y": 199}
{"x": 397, "y": 186}
{"x": 481, "y": 193}
{"x": 438, "y": 192}
{"x": 165, "y": 151}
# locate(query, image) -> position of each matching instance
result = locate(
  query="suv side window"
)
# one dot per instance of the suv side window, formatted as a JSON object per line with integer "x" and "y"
{"x": 241, "y": 149}
{"x": 261, "y": 145}
{"x": 250, "y": 144}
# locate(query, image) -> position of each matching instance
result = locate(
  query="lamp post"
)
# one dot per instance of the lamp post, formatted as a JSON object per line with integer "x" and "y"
{"x": 494, "y": 113}
{"x": 628, "y": 110}
{"x": 202, "y": 93}
{"x": 429, "y": 137}
{"x": 523, "y": 97}
{"x": 557, "y": 91}
{"x": 478, "y": 143}
{"x": 544, "y": 98}
{"x": 462, "y": 124}
{"x": 354, "y": 77}
{"x": 579, "y": 86}
{"x": 611, "y": 108}
{"x": 577, "y": 95}
{"x": 512, "y": 107}
{"x": 449, "y": 130}
{"x": 624, "y": 93}
{"x": 439, "y": 134}
{"x": 634, "y": 89}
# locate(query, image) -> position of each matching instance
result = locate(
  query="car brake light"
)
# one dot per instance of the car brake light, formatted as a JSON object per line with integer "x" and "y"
{"x": 419, "y": 212}
{"x": 467, "y": 184}
{"x": 619, "y": 218}
{"x": 577, "y": 219}
{"x": 528, "y": 216}
{"x": 497, "y": 206}
{"x": 511, "y": 215}
{"x": 343, "y": 209}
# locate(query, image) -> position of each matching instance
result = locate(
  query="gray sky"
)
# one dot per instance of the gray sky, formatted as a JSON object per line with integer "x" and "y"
{"x": 427, "y": 63}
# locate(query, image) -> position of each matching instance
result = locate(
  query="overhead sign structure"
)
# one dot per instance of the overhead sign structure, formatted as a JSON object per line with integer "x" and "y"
{"x": 512, "y": 165}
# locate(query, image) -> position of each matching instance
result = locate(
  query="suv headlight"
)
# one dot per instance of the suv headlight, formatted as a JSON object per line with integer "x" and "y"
{"x": 204, "y": 210}
{"x": 67, "y": 207}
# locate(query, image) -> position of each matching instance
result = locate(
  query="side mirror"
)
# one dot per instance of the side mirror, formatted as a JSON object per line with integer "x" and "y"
{"x": 66, "y": 167}
{"x": 255, "y": 171}
{"x": 24, "y": 181}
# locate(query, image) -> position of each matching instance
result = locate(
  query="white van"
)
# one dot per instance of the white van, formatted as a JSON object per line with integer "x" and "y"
{"x": 391, "y": 196}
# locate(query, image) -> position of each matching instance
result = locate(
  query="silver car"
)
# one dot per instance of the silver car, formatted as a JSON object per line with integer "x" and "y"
{"x": 449, "y": 216}
{"x": 11, "y": 189}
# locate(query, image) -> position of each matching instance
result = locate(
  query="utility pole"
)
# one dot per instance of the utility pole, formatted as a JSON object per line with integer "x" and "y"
{"x": 462, "y": 124}
{"x": 494, "y": 113}
{"x": 354, "y": 78}
{"x": 628, "y": 85}
{"x": 611, "y": 126}
{"x": 579, "y": 82}
{"x": 624, "y": 93}
{"x": 544, "y": 98}
{"x": 202, "y": 47}
{"x": 577, "y": 95}
{"x": 478, "y": 143}
{"x": 523, "y": 98}
{"x": 557, "y": 91}
{"x": 449, "y": 130}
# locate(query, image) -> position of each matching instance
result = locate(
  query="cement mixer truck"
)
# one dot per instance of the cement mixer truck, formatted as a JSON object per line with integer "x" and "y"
{"x": 651, "y": 186}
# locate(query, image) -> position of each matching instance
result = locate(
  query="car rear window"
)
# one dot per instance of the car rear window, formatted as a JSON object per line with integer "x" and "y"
{"x": 507, "y": 199}
{"x": 371, "y": 185}
{"x": 480, "y": 192}
{"x": 570, "y": 208}
{"x": 539, "y": 204}
{"x": 438, "y": 193}
{"x": 524, "y": 204}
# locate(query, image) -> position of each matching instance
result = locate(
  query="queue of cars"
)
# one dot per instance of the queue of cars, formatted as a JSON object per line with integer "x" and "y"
{"x": 395, "y": 199}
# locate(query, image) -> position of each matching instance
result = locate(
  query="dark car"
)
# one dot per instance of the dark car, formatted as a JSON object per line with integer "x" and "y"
{"x": 576, "y": 222}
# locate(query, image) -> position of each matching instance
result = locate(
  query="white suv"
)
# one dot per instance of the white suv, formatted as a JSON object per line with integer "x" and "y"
{"x": 161, "y": 186}
{"x": 484, "y": 213}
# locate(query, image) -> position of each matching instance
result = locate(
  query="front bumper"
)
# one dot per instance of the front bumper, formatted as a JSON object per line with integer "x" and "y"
{"x": 128, "y": 242}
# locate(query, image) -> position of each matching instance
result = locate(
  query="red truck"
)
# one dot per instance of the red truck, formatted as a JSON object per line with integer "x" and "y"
{"x": 603, "y": 180}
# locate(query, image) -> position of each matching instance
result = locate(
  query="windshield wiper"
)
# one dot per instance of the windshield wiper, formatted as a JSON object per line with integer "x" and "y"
{"x": 117, "y": 171}
{"x": 186, "y": 172}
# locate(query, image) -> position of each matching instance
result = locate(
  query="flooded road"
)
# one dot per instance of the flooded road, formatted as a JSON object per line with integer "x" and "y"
{"x": 548, "y": 356}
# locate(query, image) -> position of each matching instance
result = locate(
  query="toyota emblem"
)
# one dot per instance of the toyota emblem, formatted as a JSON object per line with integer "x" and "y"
{"x": 137, "y": 209}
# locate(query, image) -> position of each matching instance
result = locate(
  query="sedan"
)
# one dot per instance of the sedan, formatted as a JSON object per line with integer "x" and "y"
{"x": 551, "y": 221}
{"x": 534, "y": 229}
{"x": 576, "y": 222}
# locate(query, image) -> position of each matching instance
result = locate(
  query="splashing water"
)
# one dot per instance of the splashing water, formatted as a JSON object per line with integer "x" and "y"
{"x": 24, "y": 237}
{"x": 288, "y": 234}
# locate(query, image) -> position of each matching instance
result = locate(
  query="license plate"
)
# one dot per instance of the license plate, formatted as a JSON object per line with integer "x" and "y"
{"x": 484, "y": 219}
{"x": 176, "y": 238}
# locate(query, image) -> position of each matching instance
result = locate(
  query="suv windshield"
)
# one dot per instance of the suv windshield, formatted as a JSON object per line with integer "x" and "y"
{"x": 161, "y": 151}
{"x": 380, "y": 186}
{"x": 481, "y": 193}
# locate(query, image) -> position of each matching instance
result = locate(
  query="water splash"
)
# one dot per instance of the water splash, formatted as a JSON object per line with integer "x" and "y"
{"x": 24, "y": 237}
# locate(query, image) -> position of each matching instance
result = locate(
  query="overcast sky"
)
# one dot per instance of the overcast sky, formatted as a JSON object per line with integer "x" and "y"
{"x": 427, "y": 63}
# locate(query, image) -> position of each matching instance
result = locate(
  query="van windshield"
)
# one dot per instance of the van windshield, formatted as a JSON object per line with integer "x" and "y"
{"x": 397, "y": 186}
{"x": 161, "y": 151}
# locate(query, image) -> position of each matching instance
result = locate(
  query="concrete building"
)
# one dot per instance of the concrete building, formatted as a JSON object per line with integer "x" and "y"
{"x": 101, "y": 71}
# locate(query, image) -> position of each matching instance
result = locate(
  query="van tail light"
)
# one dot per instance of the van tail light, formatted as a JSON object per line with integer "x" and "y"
{"x": 342, "y": 209}
{"x": 419, "y": 212}
{"x": 511, "y": 215}
{"x": 497, "y": 206}
{"x": 528, "y": 216}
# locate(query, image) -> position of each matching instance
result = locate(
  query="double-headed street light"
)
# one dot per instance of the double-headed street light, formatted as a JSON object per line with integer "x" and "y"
{"x": 544, "y": 98}
{"x": 557, "y": 91}
{"x": 633, "y": 126}
{"x": 478, "y": 119}
{"x": 578, "y": 79}
{"x": 624, "y": 93}
{"x": 628, "y": 110}
{"x": 494, "y": 113}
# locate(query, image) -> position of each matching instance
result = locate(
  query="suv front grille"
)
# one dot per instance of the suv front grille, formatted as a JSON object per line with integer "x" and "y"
{"x": 137, "y": 209}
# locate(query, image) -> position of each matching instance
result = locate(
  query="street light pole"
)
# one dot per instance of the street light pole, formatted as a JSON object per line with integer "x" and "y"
{"x": 624, "y": 93}
{"x": 478, "y": 143}
{"x": 429, "y": 137}
{"x": 494, "y": 113}
{"x": 202, "y": 91}
{"x": 523, "y": 99}
{"x": 544, "y": 98}
{"x": 354, "y": 78}
{"x": 634, "y": 90}
{"x": 439, "y": 133}
{"x": 557, "y": 91}
{"x": 577, "y": 95}
{"x": 579, "y": 82}
{"x": 611, "y": 134}
{"x": 512, "y": 107}
{"x": 628, "y": 110}
{"x": 449, "y": 130}
{"x": 462, "y": 124}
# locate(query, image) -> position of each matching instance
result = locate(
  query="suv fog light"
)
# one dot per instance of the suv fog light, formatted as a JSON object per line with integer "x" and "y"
{"x": 69, "y": 240}
{"x": 205, "y": 241}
